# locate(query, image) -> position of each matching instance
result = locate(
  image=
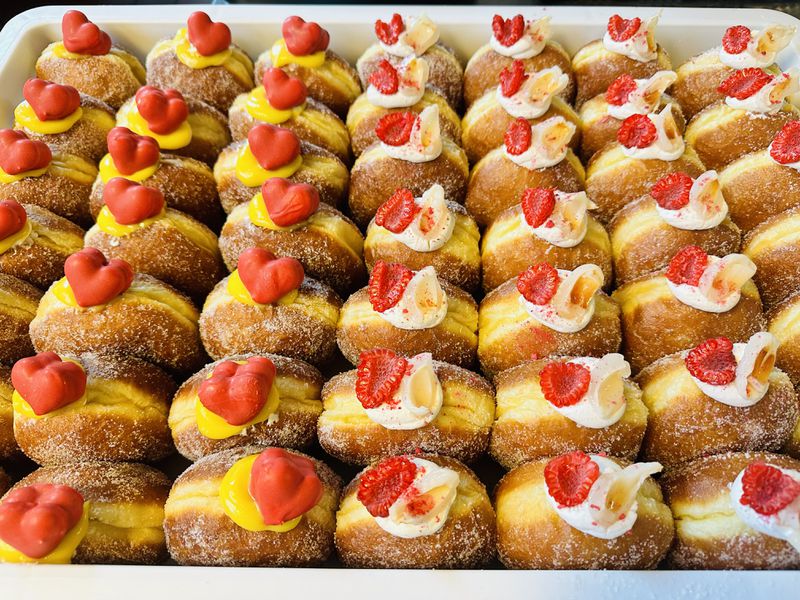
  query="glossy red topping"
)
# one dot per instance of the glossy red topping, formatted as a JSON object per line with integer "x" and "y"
{"x": 382, "y": 484}
{"x": 237, "y": 393}
{"x": 283, "y": 90}
{"x": 508, "y": 31}
{"x": 131, "y": 202}
{"x": 289, "y": 203}
{"x": 620, "y": 90}
{"x": 164, "y": 110}
{"x": 35, "y": 518}
{"x": 511, "y": 78}
{"x": 538, "y": 283}
{"x": 378, "y": 377}
{"x": 385, "y": 78}
{"x": 51, "y": 101}
{"x": 267, "y": 278}
{"x": 744, "y": 83}
{"x": 538, "y": 205}
{"x": 284, "y": 485}
{"x": 767, "y": 489}
{"x": 518, "y": 136}
{"x": 736, "y": 39}
{"x": 671, "y": 192}
{"x": 81, "y": 36}
{"x": 570, "y": 477}
{"x": 273, "y": 147}
{"x": 95, "y": 280}
{"x": 131, "y": 152}
{"x": 12, "y": 218}
{"x": 390, "y": 32}
{"x": 687, "y": 266}
{"x": 387, "y": 283}
{"x": 303, "y": 38}
{"x": 207, "y": 37}
{"x": 564, "y": 383}
{"x": 637, "y": 131}
{"x": 785, "y": 148}
{"x": 712, "y": 361}
{"x": 620, "y": 29}
{"x": 397, "y": 212}
{"x": 19, "y": 154}
{"x": 48, "y": 383}
{"x": 395, "y": 128}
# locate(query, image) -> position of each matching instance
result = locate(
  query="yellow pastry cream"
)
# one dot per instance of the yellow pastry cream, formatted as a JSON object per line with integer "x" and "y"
{"x": 258, "y": 106}
{"x": 16, "y": 238}
{"x": 108, "y": 170}
{"x": 61, "y": 555}
{"x": 58, "y": 50}
{"x": 259, "y": 215}
{"x": 280, "y": 56}
{"x": 129, "y": 116}
{"x": 25, "y": 117}
{"x": 237, "y": 289}
{"x": 232, "y": 59}
{"x": 253, "y": 174}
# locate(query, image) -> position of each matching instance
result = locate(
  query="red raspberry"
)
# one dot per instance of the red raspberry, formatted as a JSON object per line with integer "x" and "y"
{"x": 508, "y": 31}
{"x": 671, "y": 192}
{"x": 385, "y": 78}
{"x": 766, "y": 489}
{"x": 637, "y": 131}
{"x": 785, "y": 148}
{"x": 619, "y": 90}
{"x": 387, "y": 283}
{"x": 395, "y": 128}
{"x": 512, "y": 78}
{"x": 687, "y": 266}
{"x": 712, "y": 361}
{"x": 623, "y": 29}
{"x": 538, "y": 284}
{"x": 397, "y": 212}
{"x": 538, "y": 205}
{"x": 381, "y": 485}
{"x": 570, "y": 477}
{"x": 378, "y": 376}
{"x": 744, "y": 83}
{"x": 518, "y": 136}
{"x": 736, "y": 39}
{"x": 564, "y": 383}
{"x": 390, "y": 32}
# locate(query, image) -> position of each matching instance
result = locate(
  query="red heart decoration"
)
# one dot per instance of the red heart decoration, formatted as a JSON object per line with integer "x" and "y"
{"x": 206, "y": 36}
{"x": 237, "y": 393}
{"x": 47, "y": 383}
{"x": 81, "y": 36}
{"x": 19, "y": 154}
{"x": 12, "y": 218}
{"x": 273, "y": 147}
{"x": 303, "y": 38}
{"x": 164, "y": 110}
{"x": 283, "y": 91}
{"x": 34, "y": 519}
{"x": 51, "y": 101}
{"x": 131, "y": 202}
{"x": 95, "y": 280}
{"x": 289, "y": 203}
{"x": 131, "y": 152}
{"x": 267, "y": 278}
{"x": 284, "y": 485}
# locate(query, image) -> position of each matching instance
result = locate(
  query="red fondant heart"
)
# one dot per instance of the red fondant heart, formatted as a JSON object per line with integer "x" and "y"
{"x": 164, "y": 110}
{"x": 303, "y": 38}
{"x": 47, "y": 383}
{"x": 131, "y": 152}
{"x": 81, "y": 36}
{"x": 237, "y": 393}
{"x": 284, "y": 485}
{"x": 19, "y": 154}
{"x": 273, "y": 147}
{"x": 34, "y": 519}
{"x": 51, "y": 101}
{"x": 207, "y": 36}
{"x": 267, "y": 278}
{"x": 283, "y": 91}
{"x": 289, "y": 203}
{"x": 12, "y": 218}
{"x": 131, "y": 202}
{"x": 95, "y": 280}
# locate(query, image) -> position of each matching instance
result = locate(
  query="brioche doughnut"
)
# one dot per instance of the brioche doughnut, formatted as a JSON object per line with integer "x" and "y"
{"x": 784, "y": 324}
{"x": 18, "y": 302}
{"x": 774, "y": 246}
{"x": 8, "y": 445}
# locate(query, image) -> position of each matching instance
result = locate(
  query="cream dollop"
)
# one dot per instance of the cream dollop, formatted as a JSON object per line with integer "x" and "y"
{"x": 434, "y": 487}
{"x": 432, "y": 226}
{"x": 764, "y": 45}
{"x": 535, "y": 95}
{"x": 720, "y": 285}
{"x": 567, "y": 225}
{"x": 531, "y": 44}
{"x": 611, "y": 508}
{"x": 706, "y": 209}
{"x": 646, "y": 98}
{"x": 417, "y": 401}
{"x": 572, "y": 306}
{"x": 668, "y": 144}
{"x": 769, "y": 99}
{"x": 425, "y": 142}
{"x": 420, "y": 34}
{"x": 641, "y": 46}
{"x": 423, "y": 304}
{"x": 412, "y": 74}
{"x": 549, "y": 144}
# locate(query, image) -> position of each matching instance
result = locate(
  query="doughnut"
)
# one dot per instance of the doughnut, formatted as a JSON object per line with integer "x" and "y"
{"x": 18, "y": 303}
{"x": 784, "y": 324}
{"x": 774, "y": 247}
{"x": 8, "y": 445}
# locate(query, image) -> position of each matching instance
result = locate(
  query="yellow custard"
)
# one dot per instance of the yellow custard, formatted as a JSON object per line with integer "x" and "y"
{"x": 64, "y": 293}
{"x": 232, "y": 59}
{"x": 108, "y": 170}
{"x": 258, "y": 106}
{"x": 24, "y": 116}
{"x": 129, "y": 117}
{"x": 253, "y": 174}
{"x": 214, "y": 427}
{"x": 280, "y": 56}
{"x": 8, "y": 178}
{"x": 108, "y": 224}
{"x": 12, "y": 240}
{"x": 238, "y": 504}
{"x": 237, "y": 289}
{"x": 259, "y": 215}
{"x": 22, "y": 408}
{"x": 61, "y": 555}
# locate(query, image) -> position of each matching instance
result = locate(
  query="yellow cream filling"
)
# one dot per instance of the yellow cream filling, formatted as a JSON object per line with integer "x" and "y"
{"x": 128, "y": 116}
{"x": 259, "y": 108}
{"x": 24, "y": 116}
{"x": 22, "y": 408}
{"x": 8, "y": 178}
{"x": 12, "y": 240}
{"x": 252, "y": 174}
{"x": 233, "y": 59}
{"x": 57, "y": 49}
{"x": 215, "y": 427}
{"x": 108, "y": 170}
{"x": 259, "y": 215}
{"x": 108, "y": 224}
{"x": 237, "y": 289}
{"x": 280, "y": 56}
{"x": 61, "y": 554}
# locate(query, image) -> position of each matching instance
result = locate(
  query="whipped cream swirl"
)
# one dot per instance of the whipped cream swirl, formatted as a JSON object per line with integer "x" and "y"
{"x": 646, "y": 98}
{"x": 641, "y": 46}
{"x": 531, "y": 44}
{"x": 549, "y": 144}
{"x": 572, "y": 306}
{"x": 720, "y": 285}
{"x": 568, "y": 223}
{"x": 412, "y": 74}
{"x": 420, "y": 34}
{"x": 423, "y": 304}
{"x": 706, "y": 208}
{"x": 762, "y": 48}
{"x": 432, "y": 226}
{"x": 425, "y": 142}
{"x": 535, "y": 95}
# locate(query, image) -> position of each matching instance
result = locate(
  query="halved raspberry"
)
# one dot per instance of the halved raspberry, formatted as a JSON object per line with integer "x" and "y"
{"x": 512, "y": 78}
{"x": 538, "y": 205}
{"x": 766, "y": 489}
{"x": 671, "y": 192}
{"x": 744, "y": 83}
{"x": 620, "y": 29}
{"x": 570, "y": 477}
{"x": 381, "y": 485}
{"x": 397, "y": 212}
{"x": 712, "y": 361}
{"x": 387, "y": 283}
{"x": 390, "y": 32}
{"x": 378, "y": 376}
{"x": 564, "y": 383}
{"x": 538, "y": 283}
{"x": 395, "y": 128}
{"x": 518, "y": 136}
{"x": 385, "y": 78}
{"x": 637, "y": 131}
{"x": 620, "y": 89}
{"x": 785, "y": 148}
{"x": 508, "y": 31}
{"x": 687, "y": 266}
{"x": 736, "y": 39}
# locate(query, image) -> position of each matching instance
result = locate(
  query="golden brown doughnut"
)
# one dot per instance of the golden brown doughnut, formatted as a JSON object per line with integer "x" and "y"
{"x": 784, "y": 324}
{"x": 18, "y": 302}
{"x": 774, "y": 246}
{"x": 8, "y": 445}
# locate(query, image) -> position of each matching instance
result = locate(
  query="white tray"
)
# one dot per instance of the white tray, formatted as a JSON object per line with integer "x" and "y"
{"x": 683, "y": 32}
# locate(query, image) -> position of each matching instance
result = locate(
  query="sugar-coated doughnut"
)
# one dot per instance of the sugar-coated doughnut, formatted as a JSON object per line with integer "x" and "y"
{"x": 19, "y": 302}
